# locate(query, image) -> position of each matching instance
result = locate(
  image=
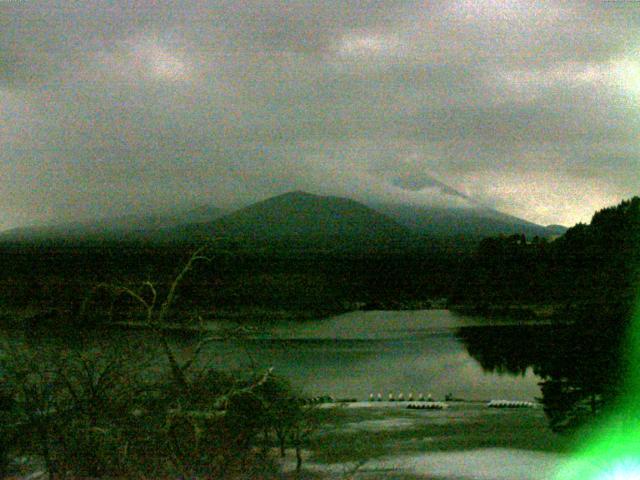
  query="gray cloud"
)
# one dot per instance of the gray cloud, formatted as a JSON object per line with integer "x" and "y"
{"x": 107, "y": 108}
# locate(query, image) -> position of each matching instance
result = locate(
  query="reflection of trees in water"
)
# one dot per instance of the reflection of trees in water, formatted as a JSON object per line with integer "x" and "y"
{"x": 592, "y": 271}
{"x": 508, "y": 349}
{"x": 580, "y": 370}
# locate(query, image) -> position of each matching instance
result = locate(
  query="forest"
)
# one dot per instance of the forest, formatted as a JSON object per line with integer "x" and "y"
{"x": 110, "y": 413}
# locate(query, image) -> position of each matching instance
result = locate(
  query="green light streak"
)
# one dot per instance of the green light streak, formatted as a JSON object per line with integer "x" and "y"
{"x": 612, "y": 451}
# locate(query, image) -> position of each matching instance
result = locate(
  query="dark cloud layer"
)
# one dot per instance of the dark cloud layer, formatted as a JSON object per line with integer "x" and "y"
{"x": 114, "y": 107}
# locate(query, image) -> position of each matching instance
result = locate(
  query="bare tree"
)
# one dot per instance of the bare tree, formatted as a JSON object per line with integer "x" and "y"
{"x": 94, "y": 412}
{"x": 156, "y": 314}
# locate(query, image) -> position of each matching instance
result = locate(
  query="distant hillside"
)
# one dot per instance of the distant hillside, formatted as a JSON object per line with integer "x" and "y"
{"x": 297, "y": 217}
{"x": 203, "y": 213}
{"x": 556, "y": 230}
{"x": 110, "y": 228}
{"x": 477, "y": 222}
{"x": 304, "y": 218}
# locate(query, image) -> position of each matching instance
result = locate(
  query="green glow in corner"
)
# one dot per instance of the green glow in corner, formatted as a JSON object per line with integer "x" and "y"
{"x": 612, "y": 452}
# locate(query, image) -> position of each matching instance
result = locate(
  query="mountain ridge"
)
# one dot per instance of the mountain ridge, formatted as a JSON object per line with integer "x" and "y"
{"x": 130, "y": 226}
{"x": 304, "y": 217}
{"x": 300, "y": 216}
{"x": 468, "y": 221}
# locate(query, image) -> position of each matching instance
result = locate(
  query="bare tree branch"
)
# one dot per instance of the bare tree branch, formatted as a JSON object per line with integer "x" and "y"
{"x": 166, "y": 305}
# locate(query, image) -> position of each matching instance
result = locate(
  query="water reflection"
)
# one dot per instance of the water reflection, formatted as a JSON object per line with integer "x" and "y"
{"x": 578, "y": 368}
{"x": 509, "y": 349}
{"x": 359, "y": 353}
{"x": 573, "y": 371}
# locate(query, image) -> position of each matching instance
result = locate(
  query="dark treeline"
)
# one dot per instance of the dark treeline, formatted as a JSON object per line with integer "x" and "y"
{"x": 592, "y": 266}
{"x": 590, "y": 275}
{"x": 589, "y": 268}
{"x": 57, "y": 278}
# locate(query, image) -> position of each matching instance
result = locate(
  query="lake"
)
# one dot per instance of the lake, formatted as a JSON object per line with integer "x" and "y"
{"x": 435, "y": 352}
{"x": 358, "y": 353}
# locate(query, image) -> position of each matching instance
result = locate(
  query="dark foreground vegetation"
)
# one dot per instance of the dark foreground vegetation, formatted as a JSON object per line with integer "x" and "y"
{"x": 49, "y": 283}
{"x": 98, "y": 414}
{"x": 95, "y": 412}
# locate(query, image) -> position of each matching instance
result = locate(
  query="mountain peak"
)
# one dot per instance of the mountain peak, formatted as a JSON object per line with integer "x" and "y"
{"x": 301, "y": 194}
{"x": 293, "y": 194}
{"x": 306, "y": 217}
{"x": 298, "y": 193}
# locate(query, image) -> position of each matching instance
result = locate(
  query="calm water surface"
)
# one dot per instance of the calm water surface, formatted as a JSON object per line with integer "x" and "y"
{"x": 358, "y": 353}
{"x": 354, "y": 354}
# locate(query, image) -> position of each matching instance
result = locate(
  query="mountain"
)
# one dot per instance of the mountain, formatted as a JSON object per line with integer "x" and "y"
{"x": 471, "y": 222}
{"x": 305, "y": 218}
{"x": 298, "y": 217}
{"x": 203, "y": 213}
{"x": 113, "y": 228}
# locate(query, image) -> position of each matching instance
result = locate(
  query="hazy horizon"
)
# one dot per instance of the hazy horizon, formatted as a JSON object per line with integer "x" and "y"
{"x": 164, "y": 211}
{"x": 111, "y": 109}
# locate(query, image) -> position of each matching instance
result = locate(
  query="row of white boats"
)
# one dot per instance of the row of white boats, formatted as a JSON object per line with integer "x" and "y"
{"x": 510, "y": 404}
{"x": 400, "y": 398}
{"x": 419, "y": 403}
{"x": 427, "y": 403}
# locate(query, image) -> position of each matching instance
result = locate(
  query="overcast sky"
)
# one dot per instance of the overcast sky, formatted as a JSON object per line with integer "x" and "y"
{"x": 106, "y": 108}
